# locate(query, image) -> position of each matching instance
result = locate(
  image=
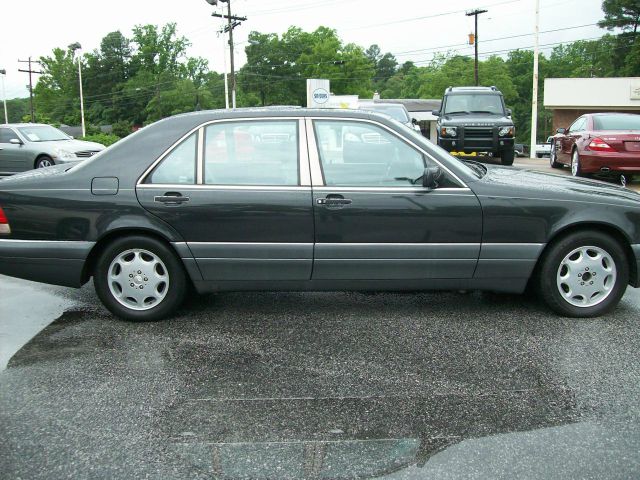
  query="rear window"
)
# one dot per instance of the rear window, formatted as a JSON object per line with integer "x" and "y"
{"x": 616, "y": 122}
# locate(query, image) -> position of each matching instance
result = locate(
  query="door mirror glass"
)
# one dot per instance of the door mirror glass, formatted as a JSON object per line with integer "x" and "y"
{"x": 431, "y": 176}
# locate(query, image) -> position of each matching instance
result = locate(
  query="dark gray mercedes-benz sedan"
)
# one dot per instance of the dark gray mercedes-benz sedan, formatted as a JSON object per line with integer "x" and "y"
{"x": 295, "y": 199}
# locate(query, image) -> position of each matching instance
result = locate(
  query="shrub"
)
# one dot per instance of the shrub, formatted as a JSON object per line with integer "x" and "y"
{"x": 103, "y": 138}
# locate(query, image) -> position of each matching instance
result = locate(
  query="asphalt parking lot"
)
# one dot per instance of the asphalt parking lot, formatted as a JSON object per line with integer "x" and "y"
{"x": 319, "y": 385}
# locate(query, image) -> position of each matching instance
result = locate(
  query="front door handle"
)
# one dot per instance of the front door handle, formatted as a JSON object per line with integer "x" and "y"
{"x": 171, "y": 198}
{"x": 334, "y": 201}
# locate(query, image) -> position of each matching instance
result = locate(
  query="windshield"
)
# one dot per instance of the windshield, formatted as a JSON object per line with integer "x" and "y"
{"x": 396, "y": 112}
{"x": 43, "y": 133}
{"x": 474, "y": 103}
{"x": 616, "y": 122}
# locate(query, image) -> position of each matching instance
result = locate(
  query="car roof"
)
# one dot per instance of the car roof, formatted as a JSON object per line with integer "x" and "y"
{"x": 14, "y": 125}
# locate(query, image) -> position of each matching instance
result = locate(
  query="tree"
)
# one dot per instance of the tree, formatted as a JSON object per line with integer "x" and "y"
{"x": 623, "y": 14}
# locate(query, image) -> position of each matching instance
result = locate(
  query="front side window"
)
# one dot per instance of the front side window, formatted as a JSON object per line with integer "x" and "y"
{"x": 179, "y": 166}
{"x": 364, "y": 154}
{"x": 6, "y": 134}
{"x": 252, "y": 153}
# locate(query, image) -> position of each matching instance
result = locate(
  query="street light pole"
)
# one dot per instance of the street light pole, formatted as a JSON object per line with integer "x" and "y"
{"x": 3, "y": 73}
{"x": 534, "y": 93}
{"x": 74, "y": 47}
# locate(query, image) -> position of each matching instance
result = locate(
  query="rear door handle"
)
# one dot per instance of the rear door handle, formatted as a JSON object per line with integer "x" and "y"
{"x": 171, "y": 198}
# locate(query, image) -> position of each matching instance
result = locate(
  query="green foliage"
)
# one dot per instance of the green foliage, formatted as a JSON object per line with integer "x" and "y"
{"x": 122, "y": 128}
{"x": 103, "y": 138}
{"x": 624, "y": 14}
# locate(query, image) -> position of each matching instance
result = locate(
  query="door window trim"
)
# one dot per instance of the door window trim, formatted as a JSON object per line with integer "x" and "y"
{"x": 317, "y": 177}
{"x": 304, "y": 175}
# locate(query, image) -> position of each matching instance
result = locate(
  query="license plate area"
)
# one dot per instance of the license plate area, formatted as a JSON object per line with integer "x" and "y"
{"x": 632, "y": 146}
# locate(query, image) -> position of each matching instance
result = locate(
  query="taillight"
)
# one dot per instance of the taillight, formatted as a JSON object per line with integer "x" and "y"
{"x": 4, "y": 223}
{"x": 599, "y": 145}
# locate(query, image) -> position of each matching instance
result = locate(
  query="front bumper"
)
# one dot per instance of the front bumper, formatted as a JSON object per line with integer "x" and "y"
{"x": 53, "y": 262}
{"x": 479, "y": 140}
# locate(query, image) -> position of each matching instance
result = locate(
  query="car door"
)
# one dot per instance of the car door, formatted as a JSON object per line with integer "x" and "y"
{"x": 239, "y": 193}
{"x": 570, "y": 137}
{"x": 11, "y": 155}
{"x": 372, "y": 222}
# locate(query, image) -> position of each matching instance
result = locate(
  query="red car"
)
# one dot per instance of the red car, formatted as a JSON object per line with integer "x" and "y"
{"x": 603, "y": 143}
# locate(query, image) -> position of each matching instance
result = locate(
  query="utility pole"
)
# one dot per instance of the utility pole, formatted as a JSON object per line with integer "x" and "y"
{"x": 3, "y": 73}
{"x": 232, "y": 22}
{"x": 73, "y": 48}
{"x": 534, "y": 94}
{"x": 30, "y": 71}
{"x": 475, "y": 13}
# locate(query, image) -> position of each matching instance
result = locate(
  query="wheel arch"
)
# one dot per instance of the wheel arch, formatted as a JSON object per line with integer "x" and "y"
{"x": 612, "y": 230}
{"x": 39, "y": 156}
{"x": 108, "y": 237}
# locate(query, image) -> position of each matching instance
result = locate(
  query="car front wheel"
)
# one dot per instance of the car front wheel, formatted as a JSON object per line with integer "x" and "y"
{"x": 553, "y": 157}
{"x": 44, "y": 162}
{"x": 140, "y": 279}
{"x": 584, "y": 274}
{"x": 576, "y": 170}
{"x": 506, "y": 157}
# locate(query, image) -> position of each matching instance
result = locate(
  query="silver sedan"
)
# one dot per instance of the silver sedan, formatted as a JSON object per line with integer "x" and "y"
{"x": 24, "y": 146}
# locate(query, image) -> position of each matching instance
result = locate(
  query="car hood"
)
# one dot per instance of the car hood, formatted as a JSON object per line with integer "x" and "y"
{"x": 73, "y": 145}
{"x": 475, "y": 120}
{"x": 525, "y": 183}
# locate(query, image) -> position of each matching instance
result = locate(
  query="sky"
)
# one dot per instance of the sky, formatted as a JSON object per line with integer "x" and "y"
{"x": 410, "y": 29}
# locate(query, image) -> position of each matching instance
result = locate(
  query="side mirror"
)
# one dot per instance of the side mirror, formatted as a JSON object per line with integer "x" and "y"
{"x": 435, "y": 113}
{"x": 414, "y": 121}
{"x": 509, "y": 112}
{"x": 15, "y": 141}
{"x": 430, "y": 177}
{"x": 561, "y": 131}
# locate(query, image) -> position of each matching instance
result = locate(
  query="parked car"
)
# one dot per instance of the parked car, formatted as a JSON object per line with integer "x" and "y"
{"x": 24, "y": 146}
{"x": 396, "y": 111}
{"x": 602, "y": 143}
{"x": 475, "y": 120}
{"x": 544, "y": 149}
{"x": 350, "y": 200}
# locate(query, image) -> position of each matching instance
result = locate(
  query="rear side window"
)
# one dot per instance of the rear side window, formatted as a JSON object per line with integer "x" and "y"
{"x": 252, "y": 153}
{"x": 616, "y": 122}
{"x": 179, "y": 166}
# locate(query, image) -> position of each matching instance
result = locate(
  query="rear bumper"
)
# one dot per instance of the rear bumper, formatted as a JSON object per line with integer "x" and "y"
{"x": 628, "y": 162}
{"x": 53, "y": 262}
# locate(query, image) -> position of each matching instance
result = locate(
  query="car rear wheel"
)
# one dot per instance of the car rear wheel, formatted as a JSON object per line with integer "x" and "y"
{"x": 553, "y": 157}
{"x": 584, "y": 274}
{"x": 576, "y": 170}
{"x": 139, "y": 278}
{"x": 506, "y": 157}
{"x": 44, "y": 162}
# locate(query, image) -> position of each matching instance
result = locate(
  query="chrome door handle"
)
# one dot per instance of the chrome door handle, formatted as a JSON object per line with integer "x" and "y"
{"x": 334, "y": 201}
{"x": 171, "y": 198}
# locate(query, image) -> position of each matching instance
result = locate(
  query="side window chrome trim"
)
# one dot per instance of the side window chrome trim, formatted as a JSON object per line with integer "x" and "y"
{"x": 182, "y": 186}
{"x": 143, "y": 177}
{"x": 315, "y": 158}
{"x": 200, "y": 156}
{"x": 317, "y": 179}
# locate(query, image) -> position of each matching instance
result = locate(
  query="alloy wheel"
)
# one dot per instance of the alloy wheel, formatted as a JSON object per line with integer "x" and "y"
{"x": 586, "y": 276}
{"x": 138, "y": 279}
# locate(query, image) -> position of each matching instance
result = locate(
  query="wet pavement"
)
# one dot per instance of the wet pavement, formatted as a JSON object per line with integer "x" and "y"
{"x": 321, "y": 385}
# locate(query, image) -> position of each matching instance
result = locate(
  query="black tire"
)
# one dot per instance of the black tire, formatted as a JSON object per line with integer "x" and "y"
{"x": 553, "y": 157}
{"x": 506, "y": 157}
{"x": 177, "y": 279}
{"x": 547, "y": 278}
{"x": 44, "y": 161}
{"x": 577, "y": 170}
